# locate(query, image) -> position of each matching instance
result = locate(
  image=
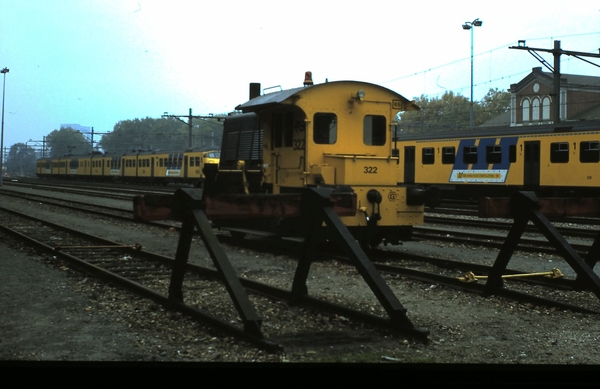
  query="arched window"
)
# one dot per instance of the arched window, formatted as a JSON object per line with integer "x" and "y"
{"x": 525, "y": 105}
{"x": 535, "y": 110}
{"x": 546, "y": 108}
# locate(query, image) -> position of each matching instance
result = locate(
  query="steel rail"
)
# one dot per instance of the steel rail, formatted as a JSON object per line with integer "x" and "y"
{"x": 505, "y": 226}
{"x": 487, "y": 240}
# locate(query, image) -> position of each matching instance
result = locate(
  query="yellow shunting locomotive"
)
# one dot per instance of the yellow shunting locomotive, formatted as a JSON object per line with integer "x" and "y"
{"x": 334, "y": 134}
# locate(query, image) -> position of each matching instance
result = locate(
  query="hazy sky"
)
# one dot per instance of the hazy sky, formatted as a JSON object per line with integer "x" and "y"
{"x": 96, "y": 62}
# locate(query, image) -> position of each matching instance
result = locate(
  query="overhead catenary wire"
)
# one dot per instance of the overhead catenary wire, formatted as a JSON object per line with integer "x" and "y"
{"x": 490, "y": 80}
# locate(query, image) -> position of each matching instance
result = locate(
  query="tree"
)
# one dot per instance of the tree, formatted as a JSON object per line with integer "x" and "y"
{"x": 448, "y": 113}
{"x": 160, "y": 134}
{"x": 67, "y": 141}
{"x": 452, "y": 112}
{"x": 21, "y": 160}
{"x": 494, "y": 103}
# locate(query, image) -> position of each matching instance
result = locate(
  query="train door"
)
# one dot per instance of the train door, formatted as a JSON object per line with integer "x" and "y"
{"x": 185, "y": 166}
{"x": 288, "y": 146}
{"x": 531, "y": 164}
{"x": 174, "y": 165}
{"x": 409, "y": 164}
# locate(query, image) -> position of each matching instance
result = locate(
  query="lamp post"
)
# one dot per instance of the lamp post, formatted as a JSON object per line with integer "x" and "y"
{"x": 469, "y": 26}
{"x": 3, "y": 71}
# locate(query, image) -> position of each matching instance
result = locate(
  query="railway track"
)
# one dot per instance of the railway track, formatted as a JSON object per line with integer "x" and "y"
{"x": 112, "y": 191}
{"x": 128, "y": 266}
{"x": 97, "y": 209}
{"x": 469, "y": 209}
{"x": 489, "y": 239}
{"x": 576, "y": 227}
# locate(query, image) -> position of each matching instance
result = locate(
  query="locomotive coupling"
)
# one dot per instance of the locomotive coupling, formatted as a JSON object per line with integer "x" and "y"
{"x": 374, "y": 196}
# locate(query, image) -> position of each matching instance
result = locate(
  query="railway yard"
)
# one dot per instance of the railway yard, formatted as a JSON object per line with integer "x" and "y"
{"x": 54, "y": 311}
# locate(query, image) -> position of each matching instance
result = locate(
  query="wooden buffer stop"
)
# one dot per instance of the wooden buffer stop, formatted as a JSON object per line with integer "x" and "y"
{"x": 524, "y": 207}
{"x": 312, "y": 206}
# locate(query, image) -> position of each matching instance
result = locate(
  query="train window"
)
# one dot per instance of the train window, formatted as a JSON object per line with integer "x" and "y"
{"x": 428, "y": 156}
{"x": 374, "y": 128}
{"x": 325, "y": 128}
{"x": 589, "y": 152}
{"x": 512, "y": 153}
{"x": 493, "y": 154}
{"x": 448, "y": 155}
{"x": 470, "y": 154}
{"x": 559, "y": 152}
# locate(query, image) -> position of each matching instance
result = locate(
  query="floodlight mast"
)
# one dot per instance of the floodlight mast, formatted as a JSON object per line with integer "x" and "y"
{"x": 469, "y": 26}
{"x": 3, "y": 71}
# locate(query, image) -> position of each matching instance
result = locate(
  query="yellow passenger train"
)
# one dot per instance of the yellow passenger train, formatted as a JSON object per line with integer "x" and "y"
{"x": 552, "y": 160}
{"x": 334, "y": 134}
{"x": 153, "y": 167}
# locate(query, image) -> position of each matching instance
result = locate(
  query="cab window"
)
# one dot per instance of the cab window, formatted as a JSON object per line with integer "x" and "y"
{"x": 282, "y": 126}
{"x": 374, "y": 128}
{"x": 325, "y": 128}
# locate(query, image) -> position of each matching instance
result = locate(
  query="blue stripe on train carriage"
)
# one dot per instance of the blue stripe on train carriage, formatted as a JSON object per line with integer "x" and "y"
{"x": 476, "y": 156}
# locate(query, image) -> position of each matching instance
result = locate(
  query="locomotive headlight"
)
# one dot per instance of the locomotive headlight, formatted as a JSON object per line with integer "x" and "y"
{"x": 360, "y": 95}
